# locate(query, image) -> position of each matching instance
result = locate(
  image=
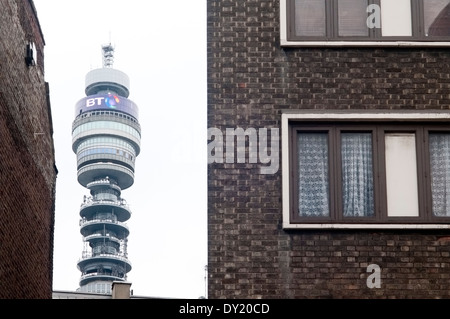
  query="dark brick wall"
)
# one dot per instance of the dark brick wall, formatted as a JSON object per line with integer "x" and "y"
{"x": 251, "y": 80}
{"x": 27, "y": 161}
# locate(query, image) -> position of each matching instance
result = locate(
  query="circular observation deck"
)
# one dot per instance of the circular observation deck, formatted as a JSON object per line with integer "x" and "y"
{"x": 91, "y": 172}
{"x": 93, "y": 128}
{"x": 106, "y": 155}
{"x": 101, "y": 278}
{"x": 107, "y": 79}
{"x": 90, "y": 227}
{"x": 119, "y": 209}
{"x": 107, "y": 261}
{"x": 103, "y": 268}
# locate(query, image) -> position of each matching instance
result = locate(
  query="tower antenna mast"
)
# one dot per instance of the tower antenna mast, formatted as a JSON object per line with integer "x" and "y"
{"x": 108, "y": 55}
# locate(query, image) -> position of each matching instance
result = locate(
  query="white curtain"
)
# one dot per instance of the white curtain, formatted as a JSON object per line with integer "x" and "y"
{"x": 313, "y": 174}
{"x": 357, "y": 174}
{"x": 440, "y": 173}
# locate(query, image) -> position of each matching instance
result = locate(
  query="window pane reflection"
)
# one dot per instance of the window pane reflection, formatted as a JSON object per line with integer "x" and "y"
{"x": 437, "y": 17}
{"x": 352, "y": 18}
{"x": 310, "y": 18}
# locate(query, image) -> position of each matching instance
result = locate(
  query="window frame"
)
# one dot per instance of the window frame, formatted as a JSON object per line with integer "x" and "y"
{"x": 379, "y": 122}
{"x": 417, "y": 38}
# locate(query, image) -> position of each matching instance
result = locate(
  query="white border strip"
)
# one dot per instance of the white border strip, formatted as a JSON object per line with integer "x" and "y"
{"x": 367, "y": 226}
{"x": 336, "y": 115}
{"x": 283, "y": 21}
{"x": 285, "y": 43}
{"x": 399, "y": 44}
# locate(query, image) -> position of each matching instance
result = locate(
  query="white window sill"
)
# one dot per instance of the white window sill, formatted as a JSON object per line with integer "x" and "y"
{"x": 403, "y": 44}
{"x": 365, "y": 226}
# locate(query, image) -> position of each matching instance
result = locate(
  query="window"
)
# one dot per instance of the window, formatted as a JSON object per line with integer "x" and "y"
{"x": 368, "y": 170}
{"x": 105, "y": 141}
{"x": 366, "y": 20}
{"x": 106, "y": 125}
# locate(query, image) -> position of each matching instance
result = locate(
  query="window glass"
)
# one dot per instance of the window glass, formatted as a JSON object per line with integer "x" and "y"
{"x": 373, "y": 20}
{"x": 103, "y": 150}
{"x": 439, "y": 145}
{"x": 437, "y": 17}
{"x": 352, "y": 17}
{"x": 107, "y": 195}
{"x": 313, "y": 174}
{"x": 381, "y": 172}
{"x": 401, "y": 174}
{"x": 396, "y": 18}
{"x": 357, "y": 174}
{"x": 105, "y": 141}
{"x": 106, "y": 125}
{"x": 310, "y": 18}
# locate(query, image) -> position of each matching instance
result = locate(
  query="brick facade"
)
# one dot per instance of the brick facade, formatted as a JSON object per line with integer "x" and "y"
{"x": 27, "y": 161}
{"x": 251, "y": 81}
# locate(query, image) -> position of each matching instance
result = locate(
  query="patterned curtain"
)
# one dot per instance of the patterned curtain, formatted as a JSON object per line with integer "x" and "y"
{"x": 440, "y": 173}
{"x": 313, "y": 174}
{"x": 357, "y": 174}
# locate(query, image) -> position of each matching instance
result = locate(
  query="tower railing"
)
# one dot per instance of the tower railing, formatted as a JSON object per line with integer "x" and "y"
{"x": 85, "y": 222}
{"x": 103, "y": 182}
{"x": 118, "y": 256}
{"x": 93, "y": 202}
{"x": 110, "y": 237}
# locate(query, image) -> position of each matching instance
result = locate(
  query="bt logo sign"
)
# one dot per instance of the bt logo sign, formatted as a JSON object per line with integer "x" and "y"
{"x": 110, "y": 101}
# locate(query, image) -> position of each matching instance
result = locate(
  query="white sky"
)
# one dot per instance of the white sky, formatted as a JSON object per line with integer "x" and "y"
{"x": 161, "y": 45}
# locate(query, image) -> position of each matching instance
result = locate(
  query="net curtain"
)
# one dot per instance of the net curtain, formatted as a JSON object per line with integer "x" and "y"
{"x": 440, "y": 173}
{"x": 313, "y": 174}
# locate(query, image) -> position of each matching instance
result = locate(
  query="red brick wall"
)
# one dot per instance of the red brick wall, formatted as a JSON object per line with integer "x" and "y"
{"x": 251, "y": 80}
{"x": 27, "y": 161}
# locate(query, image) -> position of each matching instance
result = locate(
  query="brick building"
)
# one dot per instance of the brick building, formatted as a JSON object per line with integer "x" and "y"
{"x": 328, "y": 149}
{"x": 27, "y": 161}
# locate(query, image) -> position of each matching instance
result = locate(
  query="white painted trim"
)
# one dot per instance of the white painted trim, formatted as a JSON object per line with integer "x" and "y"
{"x": 366, "y": 226}
{"x": 283, "y": 31}
{"x": 285, "y": 170}
{"x": 367, "y": 115}
{"x": 343, "y": 115}
{"x": 408, "y": 44}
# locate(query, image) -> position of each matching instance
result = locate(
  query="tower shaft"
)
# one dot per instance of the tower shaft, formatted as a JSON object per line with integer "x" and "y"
{"x": 106, "y": 139}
